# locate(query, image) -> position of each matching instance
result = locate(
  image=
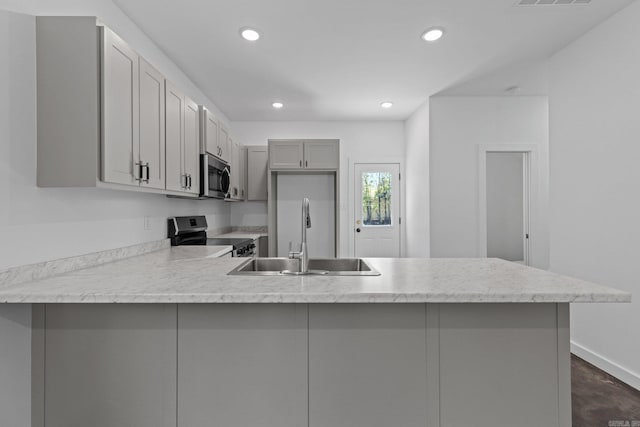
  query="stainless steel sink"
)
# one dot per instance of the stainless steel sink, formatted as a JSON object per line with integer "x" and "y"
{"x": 317, "y": 266}
{"x": 343, "y": 266}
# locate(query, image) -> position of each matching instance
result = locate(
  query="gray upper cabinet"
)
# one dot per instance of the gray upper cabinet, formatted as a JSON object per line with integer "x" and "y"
{"x": 183, "y": 141}
{"x": 321, "y": 154}
{"x": 243, "y": 173}
{"x": 224, "y": 144}
{"x": 304, "y": 154}
{"x": 152, "y": 127}
{"x": 257, "y": 170}
{"x": 238, "y": 171}
{"x": 120, "y": 112}
{"x": 174, "y": 111}
{"x": 209, "y": 132}
{"x": 242, "y": 365}
{"x": 234, "y": 183}
{"x": 286, "y": 154}
{"x": 215, "y": 137}
{"x": 191, "y": 154}
{"x": 118, "y": 106}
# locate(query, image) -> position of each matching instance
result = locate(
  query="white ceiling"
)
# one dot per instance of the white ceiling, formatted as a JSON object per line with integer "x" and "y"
{"x": 338, "y": 59}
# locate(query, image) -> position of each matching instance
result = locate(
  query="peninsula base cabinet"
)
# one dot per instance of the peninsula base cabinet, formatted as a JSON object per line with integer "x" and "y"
{"x": 108, "y": 365}
{"x": 367, "y": 365}
{"x": 242, "y": 365}
{"x": 314, "y": 365}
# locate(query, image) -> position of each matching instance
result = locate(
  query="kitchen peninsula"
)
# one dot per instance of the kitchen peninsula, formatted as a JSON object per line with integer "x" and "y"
{"x": 169, "y": 339}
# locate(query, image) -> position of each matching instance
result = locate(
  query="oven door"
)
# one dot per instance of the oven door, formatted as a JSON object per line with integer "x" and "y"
{"x": 215, "y": 177}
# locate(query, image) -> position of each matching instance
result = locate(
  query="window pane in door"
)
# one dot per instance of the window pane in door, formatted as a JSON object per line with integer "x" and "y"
{"x": 376, "y": 198}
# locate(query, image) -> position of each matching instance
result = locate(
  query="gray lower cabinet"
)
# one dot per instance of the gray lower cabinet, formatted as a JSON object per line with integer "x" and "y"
{"x": 367, "y": 365}
{"x": 505, "y": 356}
{"x": 109, "y": 365}
{"x": 242, "y": 365}
{"x": 299, "y": 365}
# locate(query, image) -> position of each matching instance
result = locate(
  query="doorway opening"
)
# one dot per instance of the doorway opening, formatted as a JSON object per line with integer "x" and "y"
{"x": 507, "y": 189}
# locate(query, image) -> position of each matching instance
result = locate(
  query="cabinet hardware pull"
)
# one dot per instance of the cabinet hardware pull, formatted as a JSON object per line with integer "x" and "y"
{"x": 190, "y": 182}
{"x": 140, "y": 168}
{"x": 306, "y": 163}
{"x": 300, "y": 163}
{"x": 148, "y": 172}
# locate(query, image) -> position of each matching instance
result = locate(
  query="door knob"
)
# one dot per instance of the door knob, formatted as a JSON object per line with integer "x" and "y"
{"x": 357, "y": 230}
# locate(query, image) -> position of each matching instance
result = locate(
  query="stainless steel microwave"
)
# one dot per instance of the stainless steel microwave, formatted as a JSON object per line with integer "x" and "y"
{"x": 215, "y": 177}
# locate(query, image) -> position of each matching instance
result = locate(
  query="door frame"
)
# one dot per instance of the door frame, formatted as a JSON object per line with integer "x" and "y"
{"x": 354, "y": 200}
{"x": 530, "y": 194}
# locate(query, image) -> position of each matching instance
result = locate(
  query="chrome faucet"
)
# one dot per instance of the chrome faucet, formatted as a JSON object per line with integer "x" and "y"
{"x": 303, "y": 255}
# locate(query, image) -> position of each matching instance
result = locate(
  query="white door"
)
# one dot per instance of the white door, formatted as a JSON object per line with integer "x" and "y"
{"x": 152, "y": 142}
{"x": 507, "y": 190}
{"x": 191, "y": 150}
{"x": 377, "y": 210}
{"x": 120, "y": 111}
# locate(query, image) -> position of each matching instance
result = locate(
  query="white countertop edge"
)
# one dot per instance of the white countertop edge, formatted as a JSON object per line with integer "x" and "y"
{"x": 314, "y": 298}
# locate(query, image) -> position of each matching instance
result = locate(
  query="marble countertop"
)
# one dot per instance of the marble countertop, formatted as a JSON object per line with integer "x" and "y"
{"x": 218, "y": 251}
{"x": 241, "y": 235}
{"x": 194, "y": 274}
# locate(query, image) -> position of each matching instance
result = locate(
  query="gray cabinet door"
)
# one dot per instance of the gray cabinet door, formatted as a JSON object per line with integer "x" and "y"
{"x": 224, "y": 144}
{"x": 152, "y": 140}
{"x": 286, "y": 154}
{"x": 110, "y": 365}
{"x": 242, "y": 365}
{"x": 257, "y": 169}
{"x": 367, "y": 365}
{"x": 174, "y": 117}
{"x": 321, "y": 154}
{"x": 191, "y": 153}
{"x": 120, "y": 111}
{"x": 499, "y": 365}
{"x": 210, "y": 132}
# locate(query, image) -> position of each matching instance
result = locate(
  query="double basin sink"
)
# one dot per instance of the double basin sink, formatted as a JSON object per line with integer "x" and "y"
{"x": 317, "y": 266}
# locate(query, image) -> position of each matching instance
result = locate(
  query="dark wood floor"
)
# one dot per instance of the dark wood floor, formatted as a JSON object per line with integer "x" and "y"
{"x": 599, "y": 400}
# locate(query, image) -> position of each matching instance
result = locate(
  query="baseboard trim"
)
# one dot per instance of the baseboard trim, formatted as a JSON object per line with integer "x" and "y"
{"x": 626, "y": 376}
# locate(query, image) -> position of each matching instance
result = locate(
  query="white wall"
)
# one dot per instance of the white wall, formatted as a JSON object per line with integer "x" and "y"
{"x": 38, "y": 224}
{"x": 458, "y": 126}
{"x": 364, "y": 142}
{"x": 595, "y": 180}
{"x": 417, "y": 219}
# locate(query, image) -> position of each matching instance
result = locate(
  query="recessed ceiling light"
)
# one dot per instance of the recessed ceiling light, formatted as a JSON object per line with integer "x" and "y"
{"x": 277, "y": 105}
{"x": 433, "y": 34}
{"x": 249, "y": 34}
{"x": 386, "y": 104}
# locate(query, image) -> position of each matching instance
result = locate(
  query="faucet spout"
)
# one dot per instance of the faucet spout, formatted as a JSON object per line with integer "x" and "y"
{"x": 303, "y": 255}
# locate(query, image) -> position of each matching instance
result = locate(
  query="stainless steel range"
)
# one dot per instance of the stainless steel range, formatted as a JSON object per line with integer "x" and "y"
{"x": 192, "y": 230}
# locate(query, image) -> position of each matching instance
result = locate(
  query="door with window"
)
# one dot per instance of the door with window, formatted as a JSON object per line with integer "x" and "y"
{"x": 377, "y": 210}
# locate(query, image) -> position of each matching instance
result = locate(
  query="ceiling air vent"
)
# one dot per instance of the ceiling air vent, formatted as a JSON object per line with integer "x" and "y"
{"x": 551, "y": 2}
